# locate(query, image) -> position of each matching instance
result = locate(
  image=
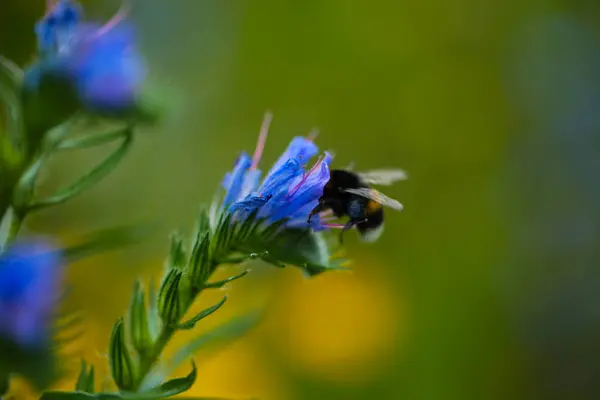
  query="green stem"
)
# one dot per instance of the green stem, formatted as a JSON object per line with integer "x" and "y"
{"x": 162, "y": 341}
{"x": 89, "y": 179}
{"x": 166, "y": 333}
{"x": 15, "y": 227}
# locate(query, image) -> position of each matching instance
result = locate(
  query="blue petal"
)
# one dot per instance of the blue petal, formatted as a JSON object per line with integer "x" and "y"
{"x": 242, "y": 209}
{"x": 235, "y": 181}
{"x": 58, "y": 25}
{"x": 277, "y": 180}
{"x": 309, "y": 191}
{"x": 109, "y": 70}
{"x": 102, "y": 65}
{"x": 251, "y": 182}
{"x": 29, "y": 277}
{"x": 300, "y": 149}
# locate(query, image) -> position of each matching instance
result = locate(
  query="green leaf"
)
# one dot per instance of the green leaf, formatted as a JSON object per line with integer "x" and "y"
{"x": 154, "y": 321}
{"x": 201, "y": 315}
{"x": 139, "y": 330}
{"x": 220, "y": 284}
{"x": 202, "y": 223}
{"x": 107, "y": 239}
{"x": 89, "y": 179}
{"x": 121, "y": 363}
{"x": 237, "y": 241}
{"x": 303, "y": 248}
{"x": 167, "y": 389}
{"x": 177, "y": 254}
{"x": 248, "y": 227}
{"x": 58, "y": 395}
{"x": 222, "y": 237}
{"x": 174, "y": 386}
{"x": 11, "y": 77}
{"x": 85, "y": 382}
{"x": 215, "y": 338}
{"x": 90, "y": 140}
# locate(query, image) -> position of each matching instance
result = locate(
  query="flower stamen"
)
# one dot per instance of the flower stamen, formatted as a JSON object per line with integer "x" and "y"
{"x": 120, "y": 16}
{"x": 305, "y": 177}
{"x": 262, "y": 138}
{"x": 326, "y": 213}
{"x": 49, "y": 6}
{"x": 334, "y": 226}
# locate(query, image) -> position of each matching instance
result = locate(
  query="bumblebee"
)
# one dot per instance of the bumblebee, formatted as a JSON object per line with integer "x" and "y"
{"x": 350, "y": 194}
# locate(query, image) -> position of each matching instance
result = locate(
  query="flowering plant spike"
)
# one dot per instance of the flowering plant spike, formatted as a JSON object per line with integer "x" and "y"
{"x": 86, "y": 88}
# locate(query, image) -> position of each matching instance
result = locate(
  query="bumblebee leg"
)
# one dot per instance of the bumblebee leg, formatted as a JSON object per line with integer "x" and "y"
{"x": 346, "y": 227}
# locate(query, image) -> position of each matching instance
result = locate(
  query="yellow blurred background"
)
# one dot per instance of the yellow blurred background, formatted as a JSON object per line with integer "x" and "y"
{"x": 485, "y": 287}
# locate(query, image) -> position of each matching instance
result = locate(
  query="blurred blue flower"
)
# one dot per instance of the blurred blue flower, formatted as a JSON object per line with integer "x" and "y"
{"x": 100, "y": 62}
{"x": 288, "y": 190}
{"x": 30, "y": 278}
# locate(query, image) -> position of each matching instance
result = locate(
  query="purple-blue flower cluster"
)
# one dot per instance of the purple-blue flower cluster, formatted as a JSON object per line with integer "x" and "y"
{"x": 101, "y": 62}
{"x": 288, "y": 190}
{"x": 30, "y": 279}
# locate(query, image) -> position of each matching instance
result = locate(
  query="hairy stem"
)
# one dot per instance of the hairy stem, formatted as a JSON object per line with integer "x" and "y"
{"x": 167, "y": 332}
{"x": 147, "y": 363}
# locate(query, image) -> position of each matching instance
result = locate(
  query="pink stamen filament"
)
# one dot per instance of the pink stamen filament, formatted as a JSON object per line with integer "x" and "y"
{"x": 327, "y": 219}
{"x": 326, "y": 213}
{"x": 116, "y": 19}
{"x": 334, "y": 226}
{"x": 49, "y": 6}
{"x": 312, "y": 135}
{"x": 305, "y": 177}
{"x": 262, "y": 138}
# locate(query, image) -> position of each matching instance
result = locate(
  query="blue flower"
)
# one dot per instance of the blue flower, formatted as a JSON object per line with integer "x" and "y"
{"x": 99, "y": 62}
{"x": 288, "y": 190}
{"x": 30, "y": 278}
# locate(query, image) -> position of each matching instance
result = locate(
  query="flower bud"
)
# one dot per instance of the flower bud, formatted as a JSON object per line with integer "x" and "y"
{"x": 121, "y": 363}
{"x": 139, "y": 329}
{"x": 200, "y": 268}
{"x": 170, "y": 306}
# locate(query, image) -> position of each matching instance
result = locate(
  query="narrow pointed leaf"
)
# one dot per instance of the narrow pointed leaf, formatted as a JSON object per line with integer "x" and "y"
{"x": 106, "y": 239}
{"x": 58, "y": 395}
{"x": 82, "y": 379}
{"x": 174, "y": 386}
{"x": 202, "y": 223}
{"x": 203, "y": 314}
{"x": 209, "y": 341}
{"x": 89, "y": 179}
{"x": 220, "y": 284}
{"x": 177, "y": 256}
{"x": 10, "y": 82}
{"x": 154, "y": 322}
{"x": 90, "y": 140}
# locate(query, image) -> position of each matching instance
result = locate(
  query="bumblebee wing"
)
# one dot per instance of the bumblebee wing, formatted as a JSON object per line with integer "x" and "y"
{"x": 382, "y": 176}
{"x": 377, "y": 196}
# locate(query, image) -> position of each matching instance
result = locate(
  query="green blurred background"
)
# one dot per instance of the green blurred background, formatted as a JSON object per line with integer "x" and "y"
{"x": 487, "y": 286}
